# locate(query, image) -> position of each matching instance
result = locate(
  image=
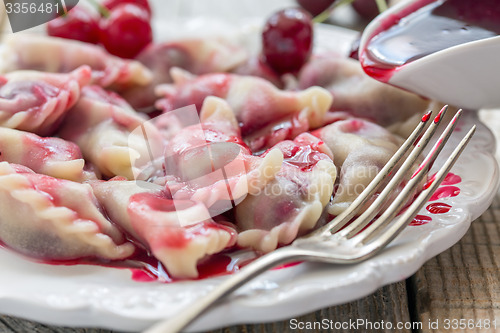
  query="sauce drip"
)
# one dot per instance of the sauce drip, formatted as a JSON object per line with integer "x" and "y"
{"x": 438, "y": 208}
{"x": 426, "y": 117}
{"x": 420, "y": 220}
{"x": 445, "y": 192}
{"x": 450, "y": 179}
{"x": 425, "y": 28}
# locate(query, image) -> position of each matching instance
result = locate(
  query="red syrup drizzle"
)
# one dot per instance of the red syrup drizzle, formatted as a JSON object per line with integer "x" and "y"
{"x": 439, "y": 115}
{"x": 426, "y": 164}
{"x": 420, "y": 220}
{"x": 445, "y": 192}
{"x": 403, "y": 37}
{"x": 218, "y": 264}
{"x": 140, "y": 257}
{"x": 450, "y": 179}
{"x": 378, "y": 70}
{"x": 140, "y": 275}
{"x": 215, "y": 265}
{"x": 146, "y": 268}
{"x": 438, "y": 208}
{"x": 426, "y": 117}
{"x": 442, "y": 192}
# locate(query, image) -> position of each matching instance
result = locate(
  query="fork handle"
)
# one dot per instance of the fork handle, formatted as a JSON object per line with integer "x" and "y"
{"x": 189, "y": 314}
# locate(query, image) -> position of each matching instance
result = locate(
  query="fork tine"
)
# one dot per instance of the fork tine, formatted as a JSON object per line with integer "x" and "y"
{"x": 364, "y": 219}
{"x": 339, "y": 221}
{"x": 415, "y": 179}
{"x": 305, "y": 248}
{"x": 390, "y": 233}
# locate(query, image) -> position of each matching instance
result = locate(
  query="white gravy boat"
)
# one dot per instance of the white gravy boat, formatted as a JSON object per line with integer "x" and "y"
{"x": 467, "y": 75}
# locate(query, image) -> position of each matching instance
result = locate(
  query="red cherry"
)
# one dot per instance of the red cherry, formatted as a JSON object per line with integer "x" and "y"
{"x": 315, "y": 7}
{"x": 78, "y": 24}
{"x": 367, "y": 9}
{"x": 287, "y": 40}
{"x": 110, "y": 4}
{"x": 126, "y": 31}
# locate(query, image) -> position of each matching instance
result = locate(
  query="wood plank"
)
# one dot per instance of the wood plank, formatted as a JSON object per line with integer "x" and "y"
{"x": 388, "y": 304}
{"x": 17, "y": 325}
{"x": 464, "y": 281}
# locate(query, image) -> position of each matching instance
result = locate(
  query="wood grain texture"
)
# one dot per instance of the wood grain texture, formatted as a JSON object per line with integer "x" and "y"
{"x": 17, "y": 325}
{"x": 388, "y": 304}
{"x": 464, "y": 281}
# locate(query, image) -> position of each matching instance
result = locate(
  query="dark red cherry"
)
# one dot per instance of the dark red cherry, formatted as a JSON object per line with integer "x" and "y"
{"x": 367, "y": 9}
{"x": 315, "y": 7}
{"x": 110, "y": 4}
{"x": 78, "y": 24}
{"x": 287, "y": 40}
{"x": 126, "y": 31}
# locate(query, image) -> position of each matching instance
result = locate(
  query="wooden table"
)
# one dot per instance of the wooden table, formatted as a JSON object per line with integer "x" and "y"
{"x": 461, "y": 283}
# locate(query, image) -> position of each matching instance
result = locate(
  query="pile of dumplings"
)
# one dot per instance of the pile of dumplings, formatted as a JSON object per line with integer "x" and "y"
{"x": 98, "y": 161}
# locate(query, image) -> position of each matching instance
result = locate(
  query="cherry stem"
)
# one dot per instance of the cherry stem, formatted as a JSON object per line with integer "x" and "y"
{"x": 100, "y": 8}
{"x": 381, "y": 5}
{"x": 324, "y": 15}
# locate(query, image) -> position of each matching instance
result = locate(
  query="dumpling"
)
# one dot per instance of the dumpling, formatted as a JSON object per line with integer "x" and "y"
{"x": 256, "y": 103}
{"x": 177, "y": 232}
{"x": 59, "y": 55}
{"x": 293, "y": 202}
{"x": 53, "y": 219}
{"x": 198, "y": 56}
{"x": 110, "y": 133}
{"x": 275, "y": 132}
{"x": 361, "y": 150}
{"x": 254, "y": 66}
{"x": 50, "y": 156}
{"x": 37, "y": 101}
{"x": 357, "y": 93}
{"x": 208, "y": 162}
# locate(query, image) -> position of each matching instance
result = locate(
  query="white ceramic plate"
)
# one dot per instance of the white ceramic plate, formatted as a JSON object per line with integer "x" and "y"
{"x": 108, "y": 297}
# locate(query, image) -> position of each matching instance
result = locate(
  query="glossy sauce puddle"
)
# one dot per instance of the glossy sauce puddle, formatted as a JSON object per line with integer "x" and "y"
{"x": 426, "y": 27}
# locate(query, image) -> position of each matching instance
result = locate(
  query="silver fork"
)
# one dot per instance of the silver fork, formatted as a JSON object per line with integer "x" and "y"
{"x": 359, "y": 240}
